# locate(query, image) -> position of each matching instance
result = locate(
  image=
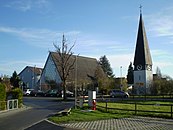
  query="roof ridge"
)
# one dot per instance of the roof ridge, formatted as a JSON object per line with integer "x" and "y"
{"x": 78, "y": 56}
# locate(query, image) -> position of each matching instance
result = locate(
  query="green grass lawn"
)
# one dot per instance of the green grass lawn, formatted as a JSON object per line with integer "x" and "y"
{"x": 84, "y": 115}
{"x": 100, "y": 113}
{"x": 156, "y": 106}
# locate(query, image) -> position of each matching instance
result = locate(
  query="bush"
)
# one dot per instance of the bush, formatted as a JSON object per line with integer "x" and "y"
{"x": 17, "y": 94}
{"x": 2, "y": 97}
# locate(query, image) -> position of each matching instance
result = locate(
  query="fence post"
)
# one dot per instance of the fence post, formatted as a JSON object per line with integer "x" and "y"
{"x": 135, "y": 108}
{"x": 171, "y": 110}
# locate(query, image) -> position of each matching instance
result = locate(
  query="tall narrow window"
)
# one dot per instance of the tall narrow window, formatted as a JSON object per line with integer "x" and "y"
{"x": 139, "y": 77}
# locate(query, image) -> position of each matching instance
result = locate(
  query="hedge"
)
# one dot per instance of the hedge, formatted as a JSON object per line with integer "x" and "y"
{"x": 16, "y": 94}
{"x": 2, "y": 96}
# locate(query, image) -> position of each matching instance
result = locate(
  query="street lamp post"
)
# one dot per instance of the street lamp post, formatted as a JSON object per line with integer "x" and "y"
{"x": 76, "y": 83}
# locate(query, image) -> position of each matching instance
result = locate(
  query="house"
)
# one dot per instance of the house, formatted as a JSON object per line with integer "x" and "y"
{"x": 30, "y": 77}
{"x": 83, "y": 72}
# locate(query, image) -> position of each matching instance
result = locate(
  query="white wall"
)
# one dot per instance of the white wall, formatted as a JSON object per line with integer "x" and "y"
{"x": 142, "y": 80}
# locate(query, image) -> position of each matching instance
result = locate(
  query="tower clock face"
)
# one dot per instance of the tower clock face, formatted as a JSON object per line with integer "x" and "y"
{"x": 139, "y": 67}
{"x": 149, "y": 67}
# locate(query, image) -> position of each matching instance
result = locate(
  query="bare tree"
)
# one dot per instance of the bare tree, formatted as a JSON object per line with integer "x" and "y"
{"x": 65, "y": 62}
{"x": 158, "y": 72}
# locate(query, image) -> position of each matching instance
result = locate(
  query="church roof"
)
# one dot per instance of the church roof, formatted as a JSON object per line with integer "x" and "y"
{"x": 85, "y": 67}
{"x": 142, "y": 52}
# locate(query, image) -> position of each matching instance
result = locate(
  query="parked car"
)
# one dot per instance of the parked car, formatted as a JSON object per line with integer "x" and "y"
{"x": 68, "y": 94}
{"x": 27, "y": 91}
{"x": 52, "y": 93}
{"x": 118, "y": 93}
{"x": 36, "y": 93}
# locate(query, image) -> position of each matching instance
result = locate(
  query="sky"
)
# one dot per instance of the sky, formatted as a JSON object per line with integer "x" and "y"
{"x": 28, "y": 29}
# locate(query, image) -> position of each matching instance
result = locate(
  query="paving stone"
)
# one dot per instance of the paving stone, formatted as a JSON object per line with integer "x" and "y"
{"x": 135, "y": 123}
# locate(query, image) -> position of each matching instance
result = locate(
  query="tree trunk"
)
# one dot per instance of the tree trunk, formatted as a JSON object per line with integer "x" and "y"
{"x": 64, "y": 92}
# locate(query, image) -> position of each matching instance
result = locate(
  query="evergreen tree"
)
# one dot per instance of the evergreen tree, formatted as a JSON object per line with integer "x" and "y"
{"x": 130, "y": 79}
{"x": 14, "y": 80}
{"x": 103, "y": 61}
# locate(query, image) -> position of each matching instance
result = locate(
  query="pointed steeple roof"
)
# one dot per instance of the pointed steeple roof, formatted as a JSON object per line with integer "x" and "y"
{"x": 142, "y": 52}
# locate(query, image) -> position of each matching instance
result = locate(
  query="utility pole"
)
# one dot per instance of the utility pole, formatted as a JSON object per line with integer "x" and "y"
{"x": 76, "y": 82}
{"x": 121, "y": 77}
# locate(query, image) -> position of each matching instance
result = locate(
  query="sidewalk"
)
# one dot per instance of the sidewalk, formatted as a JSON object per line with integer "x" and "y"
{"x": 135, "y": 123}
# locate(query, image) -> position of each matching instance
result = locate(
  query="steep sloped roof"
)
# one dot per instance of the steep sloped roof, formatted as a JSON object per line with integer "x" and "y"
{"x": 84, "y": 65}
{"x": 142, "y": 52}
{"x": 35, "y": 70}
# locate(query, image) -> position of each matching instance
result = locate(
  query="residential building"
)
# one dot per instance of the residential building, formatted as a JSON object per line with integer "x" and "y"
{"x": 30, "y": 76}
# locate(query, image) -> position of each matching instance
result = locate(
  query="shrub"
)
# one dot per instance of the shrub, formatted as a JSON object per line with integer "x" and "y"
{"x": 2, "y": 96}
{"x": 17, "y": 94}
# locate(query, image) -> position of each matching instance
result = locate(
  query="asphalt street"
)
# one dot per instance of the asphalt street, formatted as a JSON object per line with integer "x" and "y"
{"x": 39, "y": 108}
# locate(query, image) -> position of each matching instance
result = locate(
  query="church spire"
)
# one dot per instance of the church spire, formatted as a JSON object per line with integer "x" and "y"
{"x": 142, "y": 73}
{"x": 142, "y": 52}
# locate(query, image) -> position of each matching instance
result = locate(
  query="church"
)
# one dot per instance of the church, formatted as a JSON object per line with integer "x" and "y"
{"x": 143, "y": 76}
{"x": 83, "y": 69}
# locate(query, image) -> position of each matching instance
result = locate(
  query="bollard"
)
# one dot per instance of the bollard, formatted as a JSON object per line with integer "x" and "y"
{"x": 94, "y": 105}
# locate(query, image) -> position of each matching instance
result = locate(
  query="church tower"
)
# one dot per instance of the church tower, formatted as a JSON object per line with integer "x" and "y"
{"x": 143, "y": 75}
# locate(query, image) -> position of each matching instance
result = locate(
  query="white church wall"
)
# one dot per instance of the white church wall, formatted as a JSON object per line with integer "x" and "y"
{"x": 149, "y": 81}
{"x": 139, "y": 81}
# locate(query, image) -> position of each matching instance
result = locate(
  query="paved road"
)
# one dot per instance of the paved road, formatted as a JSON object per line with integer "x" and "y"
{"x": 42, "y": 107}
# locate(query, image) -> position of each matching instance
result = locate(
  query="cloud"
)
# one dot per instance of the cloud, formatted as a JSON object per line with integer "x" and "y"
{"x": 99, "y": 46}
{"x": 163, "y": 64}
{"x": 163, "y": 60}
{"x": 116, "y": 61}
{"x": 158, "y": 52}
{"x": 27, "y": 5}
{"x": 161, "y": 23}
{"x": 120, "y": 60}
{"x": 8, "y": 67}
{"x": 161, "y": 56}
{"x": 43, "y": 38}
